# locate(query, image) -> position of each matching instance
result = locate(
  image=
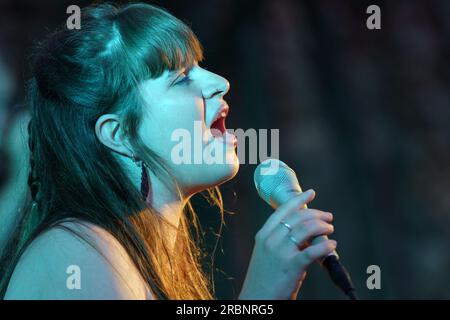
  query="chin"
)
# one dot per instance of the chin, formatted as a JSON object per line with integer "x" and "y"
{"x": 228, "y": 171}
{"x": 207, "y": 176}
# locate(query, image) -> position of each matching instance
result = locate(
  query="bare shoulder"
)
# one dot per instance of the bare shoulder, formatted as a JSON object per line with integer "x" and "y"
{"x": 76, "y": 261}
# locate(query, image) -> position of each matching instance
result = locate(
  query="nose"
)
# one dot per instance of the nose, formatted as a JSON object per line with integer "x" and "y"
{"x": 215, "y": 85}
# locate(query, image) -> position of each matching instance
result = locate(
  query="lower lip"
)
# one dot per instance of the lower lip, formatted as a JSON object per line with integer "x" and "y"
{"x": 228, "y": 138}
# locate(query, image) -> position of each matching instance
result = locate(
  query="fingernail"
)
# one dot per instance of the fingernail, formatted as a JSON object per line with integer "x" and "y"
{"x": 330, "y": 215}
{"x": 334, "y": 242}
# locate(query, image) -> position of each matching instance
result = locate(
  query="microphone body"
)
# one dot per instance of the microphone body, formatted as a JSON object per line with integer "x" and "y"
{"x": 276, "y": 184}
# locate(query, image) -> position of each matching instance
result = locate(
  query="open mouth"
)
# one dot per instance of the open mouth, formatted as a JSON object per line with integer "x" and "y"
{"x": 218, "y": 128}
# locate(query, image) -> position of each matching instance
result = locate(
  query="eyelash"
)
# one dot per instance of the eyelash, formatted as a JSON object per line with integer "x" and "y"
{"x": 185, "y": 79}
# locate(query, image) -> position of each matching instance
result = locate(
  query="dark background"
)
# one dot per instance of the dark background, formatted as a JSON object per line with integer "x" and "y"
{"x": 363, "y": 117}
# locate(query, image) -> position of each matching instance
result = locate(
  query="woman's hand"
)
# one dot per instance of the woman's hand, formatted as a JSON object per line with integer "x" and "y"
{"x": 282, "y": 252}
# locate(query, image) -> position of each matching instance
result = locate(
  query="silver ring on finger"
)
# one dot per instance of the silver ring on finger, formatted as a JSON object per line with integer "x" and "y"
{"x": 297, "y": 243}
{"x": 287, "y": 225}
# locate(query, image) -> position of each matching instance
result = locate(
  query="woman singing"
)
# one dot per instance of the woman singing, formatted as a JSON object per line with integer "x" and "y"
{"x": 108, "y": 198}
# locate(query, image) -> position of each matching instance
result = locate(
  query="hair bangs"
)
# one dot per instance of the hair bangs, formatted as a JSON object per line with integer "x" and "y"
{"x": 162, "y": 41}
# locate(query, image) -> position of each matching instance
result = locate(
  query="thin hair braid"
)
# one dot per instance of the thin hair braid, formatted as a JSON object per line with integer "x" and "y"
{"x": 34, "y": 182}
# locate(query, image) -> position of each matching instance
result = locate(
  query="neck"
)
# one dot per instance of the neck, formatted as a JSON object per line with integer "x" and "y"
{"x": 164, "y": 200}
{"x": 169, "y": 205}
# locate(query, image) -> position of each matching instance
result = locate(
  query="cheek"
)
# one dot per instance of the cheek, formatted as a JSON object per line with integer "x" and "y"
{"x": 160, "y": 123}
{"x": 180, "y": 112}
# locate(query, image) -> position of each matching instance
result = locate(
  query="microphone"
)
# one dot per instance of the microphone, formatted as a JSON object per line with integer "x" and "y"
{"x": 276, "y": 183}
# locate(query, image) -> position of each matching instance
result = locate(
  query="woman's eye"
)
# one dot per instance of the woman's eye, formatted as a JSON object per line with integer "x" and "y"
{"x": 185, "y": 79}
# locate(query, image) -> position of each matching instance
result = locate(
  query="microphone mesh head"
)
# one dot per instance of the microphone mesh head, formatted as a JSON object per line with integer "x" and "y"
{"x": 272, "y": 176}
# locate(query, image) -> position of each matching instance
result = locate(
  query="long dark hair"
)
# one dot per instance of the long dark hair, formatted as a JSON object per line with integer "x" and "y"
{"x": 77, "y": 76}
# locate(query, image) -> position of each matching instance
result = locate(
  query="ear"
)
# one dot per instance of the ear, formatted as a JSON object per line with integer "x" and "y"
{"x": 109, "y": 131}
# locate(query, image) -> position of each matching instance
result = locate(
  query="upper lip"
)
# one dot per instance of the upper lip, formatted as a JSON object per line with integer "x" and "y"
{"x": 221, "y": 112}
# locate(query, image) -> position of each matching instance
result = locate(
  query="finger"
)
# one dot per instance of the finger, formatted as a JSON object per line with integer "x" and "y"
{"x": 311, "y": 229}
{"x": 279, "y": 237}
{"x": 315, "y": 252}
{"x": 284, "y": 210}
{"x": 312, "y": 214}
{"x": 289, "y": 239}
{"x": 296, "y": 218}
{"x": 296, "y": 202}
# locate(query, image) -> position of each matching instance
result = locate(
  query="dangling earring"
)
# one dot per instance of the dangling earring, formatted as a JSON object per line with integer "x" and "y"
{"x": 144, "y": 177}
{"x": 144, "y": 181}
